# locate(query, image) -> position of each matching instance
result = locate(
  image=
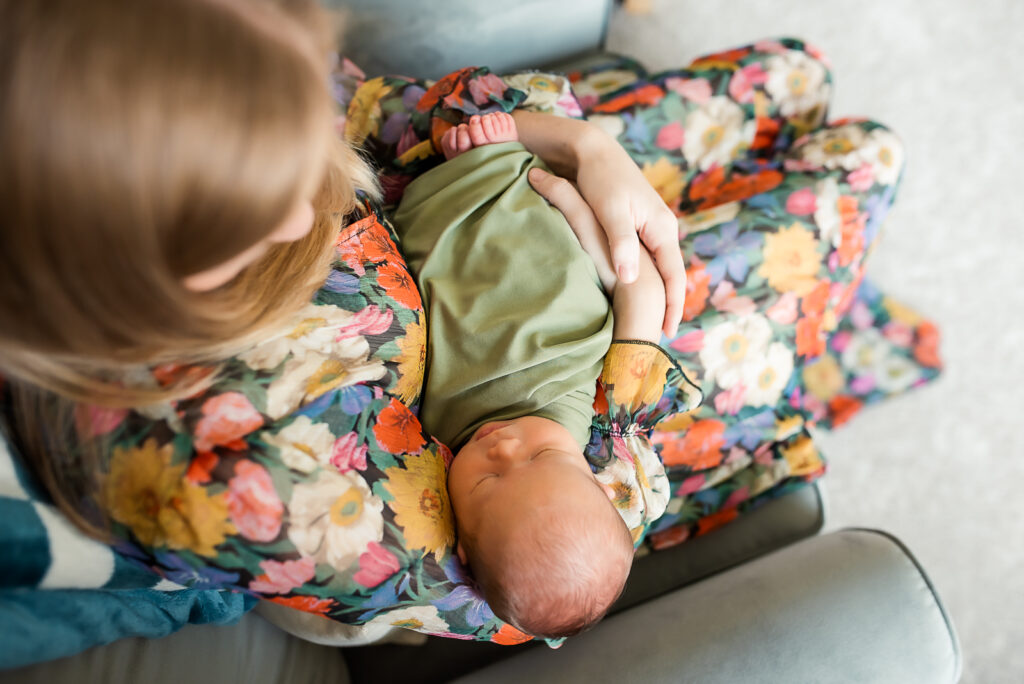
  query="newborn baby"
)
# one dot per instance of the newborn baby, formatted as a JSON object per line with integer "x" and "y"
{"x": 519, "y": 324}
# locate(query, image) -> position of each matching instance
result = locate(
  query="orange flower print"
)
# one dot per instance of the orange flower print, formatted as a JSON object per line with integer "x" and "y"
{"x": 226, "y": 419}
{"x": 200, "y": 470}
{"x": 715, "y": 520}
{"x": 697, "y": 289}
{"x": 810, "y": 341}
{"x": 926, "y": 345}
{"x": 307, "y": 604}
{"x": 852, "y": 245}
{"x": 510, "y": 636}
{"x": 699, "y": 448}
{"x": 399, "y": 285}
{"x": 397, "y": 430}
{"x": 450, "y": 84}
{"x": 842, "y": 408}
{"x": 710, "y": 189}
{"x": 645, "y": 95}
{"x": 673, "y": 536}
{"x": 814, "y": 303}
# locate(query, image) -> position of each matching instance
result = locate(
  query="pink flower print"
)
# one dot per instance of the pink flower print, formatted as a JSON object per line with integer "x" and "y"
{"x": 802, "y": 202}
{"x": 784, "y": 310}
{"x": 253, "y": 502}
{"x": 369, "y": 321}
{"x": 840, "y": 340}
{"x": 900, "y": 334}
{"x": 347, "y": 453}
{"x": 483, "y": 87}
{"x": 376, "y": 564}
{"x": 861, "y": 316}
{"x": 570, "y": 105}
{"x": 736, "y": 498}
{"x": 282, "y": 577}
{"x": 690, "y": 485}
{"x": 689, "y": 343}
{"x": 694, "y": 89}
{"x": 670, "y": 137}
{"x": 226, "y": 419}
{"x": 741, "y": 85}
{"x": 771, "y": 47}
{"x": 96, "y": 421}
{"x": 862, "y": 384}
{"x": 731, "y": 401}
{"x": 724, "y": 299}
{"x": 764, "y": 455}
{"x": 620, "y": 450}
{"x": 862, "y": 178}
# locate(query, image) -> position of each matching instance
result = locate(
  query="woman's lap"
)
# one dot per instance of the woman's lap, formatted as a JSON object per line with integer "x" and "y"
{"x": 777, "y": 215}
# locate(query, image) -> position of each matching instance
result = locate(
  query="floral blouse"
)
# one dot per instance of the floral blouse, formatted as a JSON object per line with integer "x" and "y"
{"x": 302, "y": 474}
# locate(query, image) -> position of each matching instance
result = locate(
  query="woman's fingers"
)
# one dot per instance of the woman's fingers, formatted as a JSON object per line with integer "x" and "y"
{"x": 661, "y": 237}
{"x": 620, "y": 228}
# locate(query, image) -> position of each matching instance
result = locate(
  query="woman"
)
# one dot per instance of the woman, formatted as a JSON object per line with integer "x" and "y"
{"x": 227, "y": 337}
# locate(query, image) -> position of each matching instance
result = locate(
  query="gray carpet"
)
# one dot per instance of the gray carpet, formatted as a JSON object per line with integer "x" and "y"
{"x": 943, "y": 467}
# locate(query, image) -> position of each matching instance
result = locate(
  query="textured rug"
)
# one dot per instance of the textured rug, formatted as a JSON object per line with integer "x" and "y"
{"x": 942, "y": 467}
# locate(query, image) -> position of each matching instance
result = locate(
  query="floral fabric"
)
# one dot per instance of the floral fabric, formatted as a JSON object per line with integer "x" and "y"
{"x": 302, "y": 474}
{"x": 778, "y": 211}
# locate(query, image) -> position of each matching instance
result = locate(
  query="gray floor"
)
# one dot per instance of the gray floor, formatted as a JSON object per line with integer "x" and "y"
{"x": 943, "y": 467}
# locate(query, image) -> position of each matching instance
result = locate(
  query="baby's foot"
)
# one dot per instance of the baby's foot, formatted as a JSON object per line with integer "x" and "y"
{"x": 497, "y": 127}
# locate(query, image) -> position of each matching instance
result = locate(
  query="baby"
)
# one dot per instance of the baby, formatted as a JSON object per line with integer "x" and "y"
{"x": 519, "y": 325}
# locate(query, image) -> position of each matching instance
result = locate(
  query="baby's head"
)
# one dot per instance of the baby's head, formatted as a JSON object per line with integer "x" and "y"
{"x": 539, "y": 533}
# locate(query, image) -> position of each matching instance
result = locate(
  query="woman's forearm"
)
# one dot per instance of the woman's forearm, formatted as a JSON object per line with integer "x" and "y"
{"x": 555, "y": 139}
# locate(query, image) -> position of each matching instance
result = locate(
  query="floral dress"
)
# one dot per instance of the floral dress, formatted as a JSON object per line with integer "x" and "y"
{"x": 302, "y": 475}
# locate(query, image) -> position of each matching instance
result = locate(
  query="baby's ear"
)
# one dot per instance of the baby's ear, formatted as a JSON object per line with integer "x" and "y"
{"x": 461, "y": 553}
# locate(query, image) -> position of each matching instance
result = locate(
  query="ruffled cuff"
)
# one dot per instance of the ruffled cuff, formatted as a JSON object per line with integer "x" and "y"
{"x": 639, "y": 386}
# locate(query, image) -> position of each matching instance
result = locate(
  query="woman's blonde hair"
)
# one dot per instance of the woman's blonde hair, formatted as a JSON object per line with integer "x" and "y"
{"x": 145, "y": 141}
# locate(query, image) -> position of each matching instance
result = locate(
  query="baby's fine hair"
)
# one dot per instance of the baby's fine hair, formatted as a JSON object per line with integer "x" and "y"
{"x": 559, "y": 577}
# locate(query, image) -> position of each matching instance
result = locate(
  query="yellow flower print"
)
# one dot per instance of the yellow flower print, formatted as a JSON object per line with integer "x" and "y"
{"x": 636, "y": 374}
{"x": 364, "y": 113}
{"x": 676, "y": 423}
{"x": 141, "y": 482}
{"x": 421, "y": 503}
{"x": 667, "y": 178}
{"x": 144, "y": 492}
{"x": 823, "y": 377}
{"x": 787, "y": 427}
{"x": 791, "y": 260}
{"x": 899, "y": 312}
{"x": 412, "y": 358}
{"x": 196, "y": 521}
{"x": 802, "y": 456}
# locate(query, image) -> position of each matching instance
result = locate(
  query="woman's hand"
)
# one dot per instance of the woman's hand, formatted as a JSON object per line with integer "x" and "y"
{"x": 626, "y": 206}
{"x": 639, "y": 305}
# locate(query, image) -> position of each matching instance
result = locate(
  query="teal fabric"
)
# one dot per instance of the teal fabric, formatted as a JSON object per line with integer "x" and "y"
{"x": 518, "y": 323}
{"x": 61, "y": 593}
{"x": 40, "y": 625}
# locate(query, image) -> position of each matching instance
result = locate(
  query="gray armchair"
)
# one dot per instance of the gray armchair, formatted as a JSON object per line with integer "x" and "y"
{"x": 763, "y": 599}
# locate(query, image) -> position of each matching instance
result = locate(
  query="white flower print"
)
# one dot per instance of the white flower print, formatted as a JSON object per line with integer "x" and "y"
{"x": 733, "y": 350}
{"x": 766, "y": 380}
{"x": 714, "y": 131}
{"x": 797, "y": 83}
{"x": 334, "y": 518}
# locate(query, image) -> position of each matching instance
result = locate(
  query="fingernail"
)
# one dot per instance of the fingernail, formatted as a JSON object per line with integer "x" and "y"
{"x": 535, "y": 174}
{"x": 627, "y": 273}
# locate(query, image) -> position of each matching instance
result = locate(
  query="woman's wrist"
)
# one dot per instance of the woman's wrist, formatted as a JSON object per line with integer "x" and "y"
{"x": 560, "y": 142}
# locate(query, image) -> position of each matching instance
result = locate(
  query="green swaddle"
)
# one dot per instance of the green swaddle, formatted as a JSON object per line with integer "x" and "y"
{"x": 517, "y": 322}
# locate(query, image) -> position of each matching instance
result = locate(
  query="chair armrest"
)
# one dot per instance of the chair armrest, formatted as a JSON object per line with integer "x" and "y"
{"x": 852, "y": 606}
